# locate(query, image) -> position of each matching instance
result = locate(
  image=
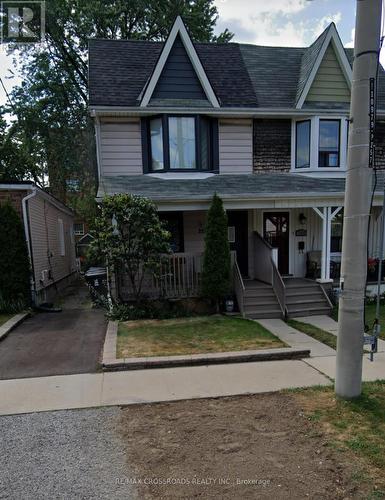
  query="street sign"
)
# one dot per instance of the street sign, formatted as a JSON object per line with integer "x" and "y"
{"x": 369, "y": 339}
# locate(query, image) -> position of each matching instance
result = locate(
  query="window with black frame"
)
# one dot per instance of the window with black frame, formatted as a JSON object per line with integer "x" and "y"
{"x": 180, "y": 143}
{"x": 329, "y": 143}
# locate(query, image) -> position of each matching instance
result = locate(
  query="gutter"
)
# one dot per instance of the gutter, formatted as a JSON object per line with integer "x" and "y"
{"x": 27, "y": 232}
{"x": 31, "y": 186}
{"x": 226, "y": 112}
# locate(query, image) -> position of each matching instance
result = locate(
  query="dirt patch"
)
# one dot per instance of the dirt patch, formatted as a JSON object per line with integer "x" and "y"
{"x": 248, "y": 447}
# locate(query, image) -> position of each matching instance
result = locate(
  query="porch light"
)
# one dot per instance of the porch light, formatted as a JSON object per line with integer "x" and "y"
{"x": 302, "y": 219}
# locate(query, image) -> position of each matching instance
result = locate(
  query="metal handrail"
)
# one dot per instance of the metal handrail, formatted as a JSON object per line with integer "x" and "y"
{"x": 239, "y": 287}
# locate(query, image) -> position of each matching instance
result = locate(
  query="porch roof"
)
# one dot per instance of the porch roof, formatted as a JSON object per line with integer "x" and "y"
{"x": 229, "y": 187}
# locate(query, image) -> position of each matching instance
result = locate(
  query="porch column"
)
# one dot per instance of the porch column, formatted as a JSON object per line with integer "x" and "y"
{"x": 327, "y": 214}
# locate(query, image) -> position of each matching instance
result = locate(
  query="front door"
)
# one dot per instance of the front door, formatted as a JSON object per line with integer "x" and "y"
{"x": 276, "y": 232}
{"x": 238, "y": 237}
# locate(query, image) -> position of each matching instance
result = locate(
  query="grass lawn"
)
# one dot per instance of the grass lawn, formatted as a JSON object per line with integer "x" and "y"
{"x": 354, "y": 427}
{"x": 370, "y": 315}
{"x": 193, "y": 335}
{"x": 317, "y": 334}
{"x": 4, "y": 318}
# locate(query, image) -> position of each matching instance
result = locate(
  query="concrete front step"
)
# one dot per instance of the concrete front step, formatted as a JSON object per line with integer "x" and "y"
{"x": 254, "y": 285}
{"x": 311, "y": 311}
{"x": 262, "y": 310}
{"x": 302, "y": 293}
{"x": 254, "y": 295}
{"x": 301, "y": 286}
{"x": 267, "y": 314}
{"x": 314, "y": 304}
{"x": 260, "y": 301}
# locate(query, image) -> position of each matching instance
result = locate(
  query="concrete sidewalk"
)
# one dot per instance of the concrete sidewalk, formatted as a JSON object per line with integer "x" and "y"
{"x": 295, "y": 338}
{"x": 331, "y": 326}
{"x": 371, "y": 370}
{"x": 149, "y": 386}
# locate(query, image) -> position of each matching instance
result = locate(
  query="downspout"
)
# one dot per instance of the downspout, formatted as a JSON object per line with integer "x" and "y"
{"x": 27, "y": 232}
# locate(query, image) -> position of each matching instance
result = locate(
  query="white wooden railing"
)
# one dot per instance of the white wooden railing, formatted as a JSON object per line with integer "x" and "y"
{"x": 266, "y": 270}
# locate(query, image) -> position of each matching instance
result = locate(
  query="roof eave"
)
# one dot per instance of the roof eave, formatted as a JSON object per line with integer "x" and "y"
{"x": 99, "y": 111}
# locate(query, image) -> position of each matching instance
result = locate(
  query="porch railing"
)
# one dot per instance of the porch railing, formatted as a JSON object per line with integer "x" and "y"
{"x": 179, "y": 277}
{"x": 265, "y": 269}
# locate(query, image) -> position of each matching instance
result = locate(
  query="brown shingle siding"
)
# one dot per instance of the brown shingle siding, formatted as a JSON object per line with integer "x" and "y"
{"x": 272, "y": 145}
{"x": 13, "y": 197}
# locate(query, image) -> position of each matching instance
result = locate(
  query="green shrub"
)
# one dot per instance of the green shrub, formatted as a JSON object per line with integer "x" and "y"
{"x": 216, "y": 261}
{"x": 163, "y": 309}
{"x": 14, "y": 262}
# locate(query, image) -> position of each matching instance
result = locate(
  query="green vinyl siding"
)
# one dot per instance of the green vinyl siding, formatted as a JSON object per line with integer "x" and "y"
{"x": 329, "y": 83}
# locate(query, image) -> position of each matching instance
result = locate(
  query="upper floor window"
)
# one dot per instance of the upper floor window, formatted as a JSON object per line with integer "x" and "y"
{"x": 181, "y": 140}
{"x": 319, "y": 143}
{"x": 329, "y": 143}
{"x": 302, "y": 151}
{"x": 156, "y": 134}
{"x": 179, "y": 143}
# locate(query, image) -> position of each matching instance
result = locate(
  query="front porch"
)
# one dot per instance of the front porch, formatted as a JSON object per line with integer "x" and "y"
{"x": 306, "y": 241}
{"x": 273, "y": 274}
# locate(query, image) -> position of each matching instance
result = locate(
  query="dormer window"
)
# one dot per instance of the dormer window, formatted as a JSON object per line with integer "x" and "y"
{"x": 319, "y": 144}
{"x": 329, "y": 143}
{"x": 180, "y": 143}
{"x": 302, "y": 147}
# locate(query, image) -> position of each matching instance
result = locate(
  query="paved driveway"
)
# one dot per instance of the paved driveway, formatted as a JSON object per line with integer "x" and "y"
{"x": 55, "y": 343}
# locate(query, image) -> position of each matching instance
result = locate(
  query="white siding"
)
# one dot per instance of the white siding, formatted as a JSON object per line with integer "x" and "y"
{"x": 120, "y": 148}
{"x": 46, "y": 245}
{"x": 236, "y": 146}
{"x": 313, "y": 240}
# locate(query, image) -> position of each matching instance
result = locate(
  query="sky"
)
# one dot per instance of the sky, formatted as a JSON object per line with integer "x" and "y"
{"x": 294, "y": 23}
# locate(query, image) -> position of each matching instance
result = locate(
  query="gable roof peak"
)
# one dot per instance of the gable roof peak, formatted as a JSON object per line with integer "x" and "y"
{"x": 312, "y": 59}
{"x": 179, "y": 29}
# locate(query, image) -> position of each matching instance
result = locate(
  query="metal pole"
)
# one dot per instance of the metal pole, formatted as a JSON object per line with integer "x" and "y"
{"x": 357, "y": 203}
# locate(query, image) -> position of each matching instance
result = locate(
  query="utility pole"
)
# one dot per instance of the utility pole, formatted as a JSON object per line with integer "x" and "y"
{"x": 357, "y": 203}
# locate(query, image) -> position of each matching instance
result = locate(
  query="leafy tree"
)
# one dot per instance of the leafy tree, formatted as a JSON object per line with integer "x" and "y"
{"x": 216, "y": 261}
{"x": 18, "y": 161}
{"x": 129, "y": 236}
{"x": 14, "y": 261}
{"x": 51, "y": 104}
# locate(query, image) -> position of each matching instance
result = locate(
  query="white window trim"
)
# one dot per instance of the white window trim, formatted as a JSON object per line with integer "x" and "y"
{"x": 79, "y": 233}
{"x": 314, "y": 142}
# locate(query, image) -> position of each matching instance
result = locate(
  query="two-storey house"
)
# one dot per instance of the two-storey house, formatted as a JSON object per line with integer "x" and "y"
{"x": 265, "y": 128}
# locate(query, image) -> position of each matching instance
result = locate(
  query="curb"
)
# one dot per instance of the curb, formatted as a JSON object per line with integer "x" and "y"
{"x": 111, "y": 363}
{"x": 12, "y": 323}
